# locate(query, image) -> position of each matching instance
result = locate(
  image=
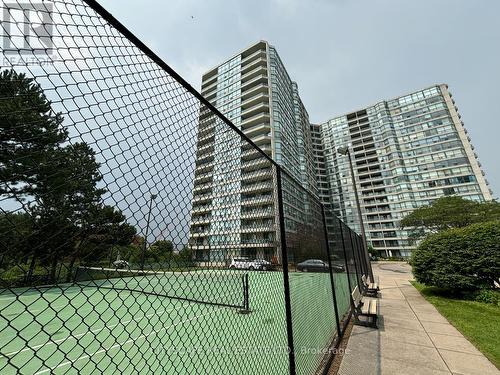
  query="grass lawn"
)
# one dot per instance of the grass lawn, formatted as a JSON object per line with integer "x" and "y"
{"x": 479, "y": 322}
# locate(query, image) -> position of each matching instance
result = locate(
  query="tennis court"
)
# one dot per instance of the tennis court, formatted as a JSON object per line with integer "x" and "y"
{"x": 87, "y": 328}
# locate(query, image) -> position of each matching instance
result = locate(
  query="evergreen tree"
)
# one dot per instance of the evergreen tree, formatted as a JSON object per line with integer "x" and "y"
{"x": 30, "y": 133}
{"x": 58, "y": 182}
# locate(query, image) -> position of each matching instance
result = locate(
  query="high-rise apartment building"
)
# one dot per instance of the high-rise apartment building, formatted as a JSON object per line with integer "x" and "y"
{"x": 406, "y": 152}
{"x": 234, "y": 187}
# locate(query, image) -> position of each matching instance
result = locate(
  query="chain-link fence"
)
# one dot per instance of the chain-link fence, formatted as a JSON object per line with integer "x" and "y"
{"x": 140, "y": 230}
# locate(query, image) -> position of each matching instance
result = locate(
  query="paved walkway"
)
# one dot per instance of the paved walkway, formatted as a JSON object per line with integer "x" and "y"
{"x": 413, "y": 338}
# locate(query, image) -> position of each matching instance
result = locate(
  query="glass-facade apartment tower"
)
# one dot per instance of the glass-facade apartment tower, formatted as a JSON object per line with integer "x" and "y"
{"x": 234, "y": 199}
{"x": 406, "y": 152}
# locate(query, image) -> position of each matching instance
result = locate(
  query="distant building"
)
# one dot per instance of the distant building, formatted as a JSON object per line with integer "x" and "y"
{"x": 407, "y": 152}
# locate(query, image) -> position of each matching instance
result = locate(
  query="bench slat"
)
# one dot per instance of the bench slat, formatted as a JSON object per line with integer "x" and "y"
{"x": 370, "y": 307}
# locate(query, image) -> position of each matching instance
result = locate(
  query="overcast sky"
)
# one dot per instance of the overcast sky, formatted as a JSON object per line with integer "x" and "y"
{"x": 344, "y": 55}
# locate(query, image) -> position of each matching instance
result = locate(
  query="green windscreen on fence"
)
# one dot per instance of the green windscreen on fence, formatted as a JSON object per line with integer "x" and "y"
{"x": 314, "y": 320}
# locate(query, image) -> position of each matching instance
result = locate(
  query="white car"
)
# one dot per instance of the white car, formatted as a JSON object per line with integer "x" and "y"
{"x": 249, "y": 264}
{"x": 121, "y": 263}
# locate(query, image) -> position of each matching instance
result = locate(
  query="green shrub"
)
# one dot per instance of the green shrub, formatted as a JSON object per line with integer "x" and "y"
{"x": 462, "y": 259}
{"x": 394, "y": 259}
{"x": 488, "y": 296}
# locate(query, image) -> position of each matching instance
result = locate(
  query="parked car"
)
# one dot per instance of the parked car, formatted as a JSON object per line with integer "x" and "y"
{"x": 313, "y": 265}
{"x": 338, "y": 267}
{"x": 250, "y": 264}
{"x": 263, "y": 264}
{"x": 120, "y": 263}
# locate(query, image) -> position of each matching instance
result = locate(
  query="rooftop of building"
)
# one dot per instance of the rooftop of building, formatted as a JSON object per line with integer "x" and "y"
{"x": 384, "y": 101}
{"x": 250, "y": 48}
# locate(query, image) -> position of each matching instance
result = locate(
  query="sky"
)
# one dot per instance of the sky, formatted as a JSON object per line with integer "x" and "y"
{"x": 344, "y": 55}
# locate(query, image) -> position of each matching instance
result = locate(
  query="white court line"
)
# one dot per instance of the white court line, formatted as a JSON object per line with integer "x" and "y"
{"x": 39, "y": 310}
{"x": 53, "y": 342}
{"x": 50, "y": 369}
{"x": 119, "y": 344}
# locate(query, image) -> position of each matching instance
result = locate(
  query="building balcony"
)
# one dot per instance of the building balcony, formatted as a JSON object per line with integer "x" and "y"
{"x": 259, "y": 61}
{"x": 206, "y": 125}
{"x": 202, "y": 188}
{"x": 378, "y": 209}
{"x": 206, "y": 138}
{"x": 257, "y": 130}
{"x": 261, "y": 174}
{"x": 204, "y": 159}
{"x": 260, "y": 97}
{"x": 202, "y": 197}
{"x": 258, "y": 228}
{"x": 211, "y": 97}
{"x": 204, "y": 167}
{"x": 209, "y": 76}
{"x": 200, "y": 234}
{"x": 201, "y": 208}
{"x": 250, "y": 74}
{"x": 262, "y": 141}
{"x": 258, "y": 243}
{"x": 205, "y": 148}
{"x": 208, "y": 87}
{"x": 210, "y": 94}
{"x": 203, "y": 178}
{"x": 259, "y": 79}
{"x": 254, "y": 153}
{"x": 204, "y": 111}
{"x": 261, "y": 53}
{"x": 257, "y": 214}
{"x": 257, "y": 188}
{"x": 254, "y": 164}
{"x": 259, "y": 108}
{"x": 206, "y": 130}
{"x": 204, "y": 219}
{"x": 257, "y": 200}
{"x": 251, "y": 91}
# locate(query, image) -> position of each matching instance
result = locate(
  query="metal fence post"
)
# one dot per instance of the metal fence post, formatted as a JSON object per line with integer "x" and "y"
{"x": 355, "y": 249}
{"x": 364, "y": 265}
{"x": 345, "y": 256}
{"x": 286, "y": 281}
{"x": 356, "y": 265}
{"x": 331, "y": 270}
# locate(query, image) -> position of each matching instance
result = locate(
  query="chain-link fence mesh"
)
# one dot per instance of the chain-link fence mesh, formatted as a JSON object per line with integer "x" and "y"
{"x": 140, "y": 231}
{"x": 341, "y": 270}
{"x": 312, "y": 305}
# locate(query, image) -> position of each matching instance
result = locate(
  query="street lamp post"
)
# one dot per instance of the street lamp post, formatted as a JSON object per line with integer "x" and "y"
{"x": 345, "y": 151}
{"x": 143, "y": 255}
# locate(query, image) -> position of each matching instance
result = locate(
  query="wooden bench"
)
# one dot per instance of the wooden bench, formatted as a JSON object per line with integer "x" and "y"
{"x": 367, "y": 310}
{"x": 369, "y": 288}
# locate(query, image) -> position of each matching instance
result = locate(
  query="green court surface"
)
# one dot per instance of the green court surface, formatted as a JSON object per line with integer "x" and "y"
{"x": 88, "y": 329}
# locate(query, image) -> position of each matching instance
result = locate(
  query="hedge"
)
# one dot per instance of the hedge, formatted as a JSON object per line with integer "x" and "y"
{"x": 462, "y": 259}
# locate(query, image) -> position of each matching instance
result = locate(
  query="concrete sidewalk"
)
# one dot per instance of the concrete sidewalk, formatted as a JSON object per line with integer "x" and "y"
{"x": 413, "y": 338}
